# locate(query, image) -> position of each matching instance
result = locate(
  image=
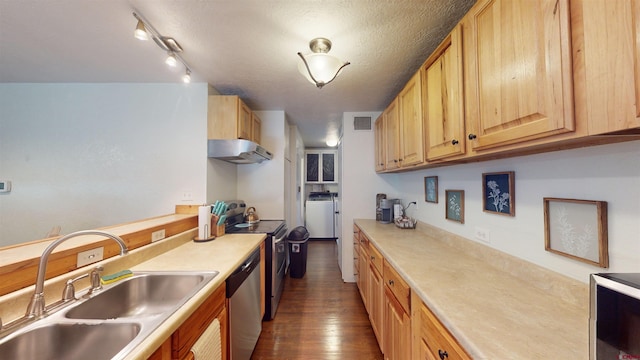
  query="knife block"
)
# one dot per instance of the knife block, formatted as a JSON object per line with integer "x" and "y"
{"x": 218, "y": 230}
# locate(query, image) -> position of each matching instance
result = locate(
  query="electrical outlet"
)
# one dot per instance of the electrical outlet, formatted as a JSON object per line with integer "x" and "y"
{"x": 90, "y": 256}
{"x": 157, "y": 235}
{"x": 187, "y": 196}
{"x": 483, "y": 235}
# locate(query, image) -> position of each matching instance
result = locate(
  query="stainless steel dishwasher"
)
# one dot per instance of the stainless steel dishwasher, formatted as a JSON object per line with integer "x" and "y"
{"x": 245, "y": 321}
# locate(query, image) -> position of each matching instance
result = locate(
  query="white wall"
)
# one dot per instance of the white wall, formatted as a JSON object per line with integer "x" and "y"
{"x": 89, "y": 155}
{"x": 261, "y": 185}
{"x": 608, "y": 173}
{"x": 360, "y": 183}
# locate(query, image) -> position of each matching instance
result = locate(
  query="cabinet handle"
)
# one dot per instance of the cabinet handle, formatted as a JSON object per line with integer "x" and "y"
{"x": 394, "y": 160}
{"x": 472, "y": 136}
{"x": 443, "y": 354}
{"x": 391, "y": 282}
{"x": 454, "y": 142}
{"x": 373, "y": 257}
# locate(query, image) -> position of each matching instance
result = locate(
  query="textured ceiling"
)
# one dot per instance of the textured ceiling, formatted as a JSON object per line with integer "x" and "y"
{"x": 242, "y": 47}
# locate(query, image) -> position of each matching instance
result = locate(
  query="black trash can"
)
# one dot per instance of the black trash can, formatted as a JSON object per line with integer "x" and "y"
{"x": 298, "y": 239}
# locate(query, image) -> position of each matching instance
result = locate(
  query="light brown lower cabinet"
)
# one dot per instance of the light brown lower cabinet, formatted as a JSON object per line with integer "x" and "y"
{"x": 178, "y": 346}
{"x": 397, "y": 337}
{"x": 432, "y": 341}
{"x": 376, "y": 302}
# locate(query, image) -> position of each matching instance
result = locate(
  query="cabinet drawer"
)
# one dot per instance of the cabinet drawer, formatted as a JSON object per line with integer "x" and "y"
{"x": 375, "y": 257}
{"x": 398, "y": 286}
{"x": 437, "y": 337}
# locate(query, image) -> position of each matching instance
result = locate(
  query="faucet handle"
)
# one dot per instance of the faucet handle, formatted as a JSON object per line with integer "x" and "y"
{"x": 69, "y": 291}
{"x": 95, "y": 279}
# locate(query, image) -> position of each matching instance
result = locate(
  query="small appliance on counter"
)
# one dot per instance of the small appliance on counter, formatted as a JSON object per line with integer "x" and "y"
{"x": 386, "y": 209}
{"x": 379, "y": 198}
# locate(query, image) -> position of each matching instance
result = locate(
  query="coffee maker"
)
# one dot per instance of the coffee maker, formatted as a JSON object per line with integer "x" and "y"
{"x": 386, "y": 208}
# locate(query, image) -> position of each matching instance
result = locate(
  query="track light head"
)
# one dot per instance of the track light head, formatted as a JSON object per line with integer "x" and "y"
{"x": 171, "y": 59}
{"x": 186, "y": 78}
{"x": 141, "y": 32}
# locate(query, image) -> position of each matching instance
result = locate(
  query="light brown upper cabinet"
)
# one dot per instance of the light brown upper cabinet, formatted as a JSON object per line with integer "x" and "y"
{"x": 517, "y": 71}
{"x": 442, "y": 99}
{"x": 411, "y": 136}
{"x": 606, "y": 60}
{"x": 392, "y": 135}
{"x": 229, "y": 117}
{"x": 256, "y": 128}
{"x": 379, "y": 143}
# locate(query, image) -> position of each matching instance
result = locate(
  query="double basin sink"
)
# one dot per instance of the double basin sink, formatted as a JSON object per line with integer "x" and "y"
{"x": 109, "y": 324}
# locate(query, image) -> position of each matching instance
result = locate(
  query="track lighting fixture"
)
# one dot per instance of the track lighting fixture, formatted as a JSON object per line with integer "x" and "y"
{"x": 144, "y": 30}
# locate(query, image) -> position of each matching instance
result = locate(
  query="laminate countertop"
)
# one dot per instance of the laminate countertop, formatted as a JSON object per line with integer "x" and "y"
{"x": 495, "y": 305}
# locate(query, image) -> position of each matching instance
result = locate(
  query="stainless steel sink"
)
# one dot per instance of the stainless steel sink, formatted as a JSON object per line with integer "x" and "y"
{"x": 145, "y": 294}
{"x": 108, "y": 325}
{"x": 70, "y": 341}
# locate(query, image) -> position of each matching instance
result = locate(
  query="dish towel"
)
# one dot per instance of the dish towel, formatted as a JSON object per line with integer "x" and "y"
{"x": 208, "y": 346}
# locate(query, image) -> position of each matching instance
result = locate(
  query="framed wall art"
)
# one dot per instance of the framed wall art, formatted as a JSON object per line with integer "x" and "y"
{"x": 455, "y": 205}
{"x": 577, "y": 229}
{"x": 498, "y": 193}
{"x": 431, "y": 189}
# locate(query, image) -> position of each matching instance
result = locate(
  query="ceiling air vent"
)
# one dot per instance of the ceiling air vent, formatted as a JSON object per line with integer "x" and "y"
{"x": 362, "y": 123}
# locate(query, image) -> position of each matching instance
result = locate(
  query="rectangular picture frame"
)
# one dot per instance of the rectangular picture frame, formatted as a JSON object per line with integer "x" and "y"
{"x": 498, "y": 193}
{"x": 431, "y": 189}
{"x": 454, "y": 209}
{"x": 577, "y": 229}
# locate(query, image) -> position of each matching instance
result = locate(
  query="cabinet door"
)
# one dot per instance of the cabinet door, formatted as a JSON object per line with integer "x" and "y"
{"x": 256, "y": 128}
{"x": 442, "y": 94}
{"x": 398, "y": 325}
{"x": 376, "y": 304}
{"x": 329, "y": 168}
{"x": 392, "y": 136}
{"x": 411, "y": 135}
{"x": 518, "y": 80}
{"x": 312, "y": 173}
{"x": 379, "y": 143}
{"x": 244, "y": 121}
{"x": 606, "y": 49}
{"x": 363, "y": 278}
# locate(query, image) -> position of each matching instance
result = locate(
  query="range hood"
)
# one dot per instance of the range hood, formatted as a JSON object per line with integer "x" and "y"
{"x": 237, "y": 151}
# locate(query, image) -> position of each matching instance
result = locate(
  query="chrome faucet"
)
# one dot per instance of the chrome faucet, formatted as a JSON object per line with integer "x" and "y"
{"x": 36, "y": 305}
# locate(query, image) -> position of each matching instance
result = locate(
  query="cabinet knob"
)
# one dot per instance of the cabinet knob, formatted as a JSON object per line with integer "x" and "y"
{"x": 472, "y": 136}
{"x": 454, "y": 142}
{"x": 391, "y": 282}
{"x": 394, "y": 160}
{"x": 373, "y": 257}
{"x": 443, "y": 354}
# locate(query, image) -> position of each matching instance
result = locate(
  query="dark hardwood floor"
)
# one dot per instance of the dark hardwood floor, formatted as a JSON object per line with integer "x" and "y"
{"x": 319, "y": 316}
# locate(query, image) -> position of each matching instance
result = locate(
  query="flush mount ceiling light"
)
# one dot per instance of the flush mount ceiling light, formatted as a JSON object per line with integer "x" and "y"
{"x": 320, "y": 68}
{"x": 144, "y": 30}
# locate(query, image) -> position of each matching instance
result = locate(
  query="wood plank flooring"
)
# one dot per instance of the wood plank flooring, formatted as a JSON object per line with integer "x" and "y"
{"x": 319, "y": 316}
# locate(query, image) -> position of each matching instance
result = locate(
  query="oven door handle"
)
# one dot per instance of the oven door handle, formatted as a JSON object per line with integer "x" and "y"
{"x": 278, "y": 241}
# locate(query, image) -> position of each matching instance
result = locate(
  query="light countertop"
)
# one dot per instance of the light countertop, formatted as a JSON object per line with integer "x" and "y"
{"x": 495, "y": 305}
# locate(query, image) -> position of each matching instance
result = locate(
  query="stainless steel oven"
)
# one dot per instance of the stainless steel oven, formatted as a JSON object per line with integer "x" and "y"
{"x": 275, "y": 251}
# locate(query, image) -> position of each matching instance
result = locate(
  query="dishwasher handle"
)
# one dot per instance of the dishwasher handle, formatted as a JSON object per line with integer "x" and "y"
{"x": 235, "y": 280}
